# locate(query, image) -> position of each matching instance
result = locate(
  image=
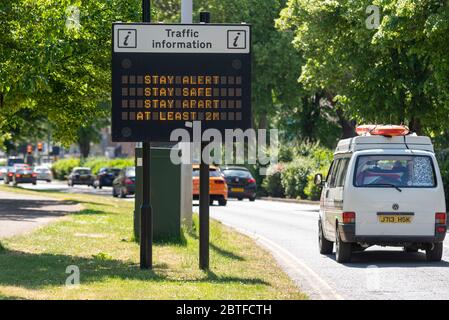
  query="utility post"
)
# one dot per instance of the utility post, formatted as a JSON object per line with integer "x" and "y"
{"x": 146, "y": 214}
{"x": 186, "y": 11}
{"x": 204, "y": 193}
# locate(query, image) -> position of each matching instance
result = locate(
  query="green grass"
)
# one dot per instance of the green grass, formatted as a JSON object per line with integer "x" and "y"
{"x": 98, "y": 240}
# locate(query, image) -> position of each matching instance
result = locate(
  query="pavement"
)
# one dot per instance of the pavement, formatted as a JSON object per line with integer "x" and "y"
{"x": 62, "y": 186}
{"x": 20, "y": 214}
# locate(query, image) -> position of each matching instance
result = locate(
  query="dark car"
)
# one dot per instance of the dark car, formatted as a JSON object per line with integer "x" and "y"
{"x": 12, "y": 170}
{"x": 241, "y": 183}
{"x": 125, "y": 183}
{"x": 24, "y": 175}
{"x": 105, "y": 177}
{"x": 81, "y": 175}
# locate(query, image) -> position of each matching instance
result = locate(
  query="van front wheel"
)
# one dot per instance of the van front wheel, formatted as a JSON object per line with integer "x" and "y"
{"x": 435, "y": 253}
{"x": 325, "y": 245}
{"x": 343, "y": 250}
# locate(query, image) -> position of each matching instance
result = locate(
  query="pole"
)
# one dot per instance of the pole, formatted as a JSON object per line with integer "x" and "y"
{"x": 146, "y": 215}
{"x": 186, "y": 11}
{"x": 204, "y": 193}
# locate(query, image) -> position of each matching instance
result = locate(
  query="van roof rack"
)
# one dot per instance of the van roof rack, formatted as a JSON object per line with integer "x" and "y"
{"x": 411, "y": 141}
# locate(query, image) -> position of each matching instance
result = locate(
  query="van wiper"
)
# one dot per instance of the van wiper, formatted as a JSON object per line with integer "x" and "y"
{"x": 387, "y": 185}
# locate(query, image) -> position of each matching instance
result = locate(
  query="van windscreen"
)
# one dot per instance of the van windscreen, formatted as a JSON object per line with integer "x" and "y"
{"x": 397, "y": 170}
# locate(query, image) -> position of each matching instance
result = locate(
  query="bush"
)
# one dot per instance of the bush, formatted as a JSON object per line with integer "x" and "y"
{"x": 443, "y": 162}
{"x": 312, "y": 191}
{"x": 294, "y": 177}
{"x": 272, "y": 181}
{"x": 62, "y": 168}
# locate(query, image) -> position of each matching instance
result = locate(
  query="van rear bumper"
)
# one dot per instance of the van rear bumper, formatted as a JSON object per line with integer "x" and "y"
{"x": 347, "y": 234}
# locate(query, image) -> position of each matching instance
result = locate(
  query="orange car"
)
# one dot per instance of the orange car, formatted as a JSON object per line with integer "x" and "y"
{"x": 218, "y": 189}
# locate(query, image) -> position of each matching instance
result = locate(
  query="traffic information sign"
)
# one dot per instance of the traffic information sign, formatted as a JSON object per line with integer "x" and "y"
{"x": 165, "y": 74}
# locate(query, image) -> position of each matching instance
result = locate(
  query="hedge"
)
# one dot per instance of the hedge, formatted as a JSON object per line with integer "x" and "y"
{"x": 62, "y": 168}
{"x": 295, "y": 179}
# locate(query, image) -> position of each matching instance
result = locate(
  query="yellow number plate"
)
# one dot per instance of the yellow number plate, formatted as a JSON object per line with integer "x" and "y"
{"x": 237, "y": 189}
{"x": 395, "y": 219}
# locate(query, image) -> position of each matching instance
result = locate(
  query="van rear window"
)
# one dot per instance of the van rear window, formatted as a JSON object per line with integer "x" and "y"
{"x": 400, "y": 171}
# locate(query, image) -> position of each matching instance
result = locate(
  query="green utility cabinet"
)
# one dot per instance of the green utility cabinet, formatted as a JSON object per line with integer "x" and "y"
{"x": 165, "y": 194}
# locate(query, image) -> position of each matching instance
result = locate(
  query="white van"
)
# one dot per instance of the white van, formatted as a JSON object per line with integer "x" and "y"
{"x": 382, "y": 190}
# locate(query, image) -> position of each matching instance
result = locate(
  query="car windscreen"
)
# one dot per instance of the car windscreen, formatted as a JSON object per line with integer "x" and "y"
{"x": 237, "y": 173}
{"x": 82, "y": 172}
{"x": 131, "y": 172}
{"x": 394, "y": 170}
{"x": 212, "y": 173}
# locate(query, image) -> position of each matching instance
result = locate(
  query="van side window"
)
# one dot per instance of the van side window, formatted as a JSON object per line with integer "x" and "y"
{"x": 329, "y": 173}
{"x": 333, "y": 175}
{"x": 341, "y": 174}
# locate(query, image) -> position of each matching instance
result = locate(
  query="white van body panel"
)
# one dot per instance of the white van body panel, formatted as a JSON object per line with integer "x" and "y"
{"x": 367, "y": 202}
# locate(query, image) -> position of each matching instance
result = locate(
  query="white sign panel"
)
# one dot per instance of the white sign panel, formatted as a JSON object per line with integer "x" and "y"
{"x": 183, "y": 38}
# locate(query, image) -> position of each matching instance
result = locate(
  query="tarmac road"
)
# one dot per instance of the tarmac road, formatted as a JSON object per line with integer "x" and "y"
{"x": 289, "y": 231}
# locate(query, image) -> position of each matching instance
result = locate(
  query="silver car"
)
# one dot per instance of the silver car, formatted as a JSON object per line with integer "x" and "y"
{"x": 43, "y": 173}
{"x": 3, "y": 172}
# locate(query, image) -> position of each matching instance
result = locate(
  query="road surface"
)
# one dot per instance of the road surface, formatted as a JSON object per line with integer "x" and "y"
{"x": 62, "y": 186}
{"x": 289, "y": 231}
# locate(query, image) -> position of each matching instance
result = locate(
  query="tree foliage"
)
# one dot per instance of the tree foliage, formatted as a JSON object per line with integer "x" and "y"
{"x": 397, "y": 73}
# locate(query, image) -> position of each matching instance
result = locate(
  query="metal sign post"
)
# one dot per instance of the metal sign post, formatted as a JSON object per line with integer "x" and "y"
{"x": 146, "y": 214}
{"x": 204, "y": 194}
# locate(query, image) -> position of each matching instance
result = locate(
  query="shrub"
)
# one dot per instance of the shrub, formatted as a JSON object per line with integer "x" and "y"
{"x": 272, "y": 181}
{"x": 62, "y": 168}
{"x": 294, "y": 177}
{"x": 312, "y": 191}
{"x": 443, "y": 162}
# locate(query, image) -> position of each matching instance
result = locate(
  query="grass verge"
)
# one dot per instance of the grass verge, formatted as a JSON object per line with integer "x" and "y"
{"x": 98, "y": 241}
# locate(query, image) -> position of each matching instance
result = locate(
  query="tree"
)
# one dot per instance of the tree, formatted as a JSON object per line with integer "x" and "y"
{"x": 389, "y": 75}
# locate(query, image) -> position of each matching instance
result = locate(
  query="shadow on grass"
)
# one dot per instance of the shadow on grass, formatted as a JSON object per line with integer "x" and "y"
{"x": 217, "y": 249}
{"x": 89, "y": 212}
{"x": 36, "y": 271}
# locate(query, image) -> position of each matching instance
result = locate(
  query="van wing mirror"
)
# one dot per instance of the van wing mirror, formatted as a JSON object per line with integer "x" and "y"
{"x": 319, "y": 180}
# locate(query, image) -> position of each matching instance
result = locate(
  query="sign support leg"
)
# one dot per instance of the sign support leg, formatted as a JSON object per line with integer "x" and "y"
{"x": 204, "y": 194}
{"x": 204, "y": 213}
{"x": 146, "y": 215}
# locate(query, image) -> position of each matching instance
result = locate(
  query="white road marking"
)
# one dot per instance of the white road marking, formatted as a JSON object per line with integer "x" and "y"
{"x": 319, "y": 285}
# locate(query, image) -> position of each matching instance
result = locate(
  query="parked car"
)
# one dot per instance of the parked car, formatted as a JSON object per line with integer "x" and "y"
{"x": 241, "y": 184}
{"x": 24, "y": 175}
{"x": 43, "y": 173}
{"x": 80, "y": 175}
{"x": 218, "y": 189}
{"x": 125, "y": 183}
{"x": 3, "y": 172}
{"x": 383, "y": 188}
{"x": 105, "y": 177}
